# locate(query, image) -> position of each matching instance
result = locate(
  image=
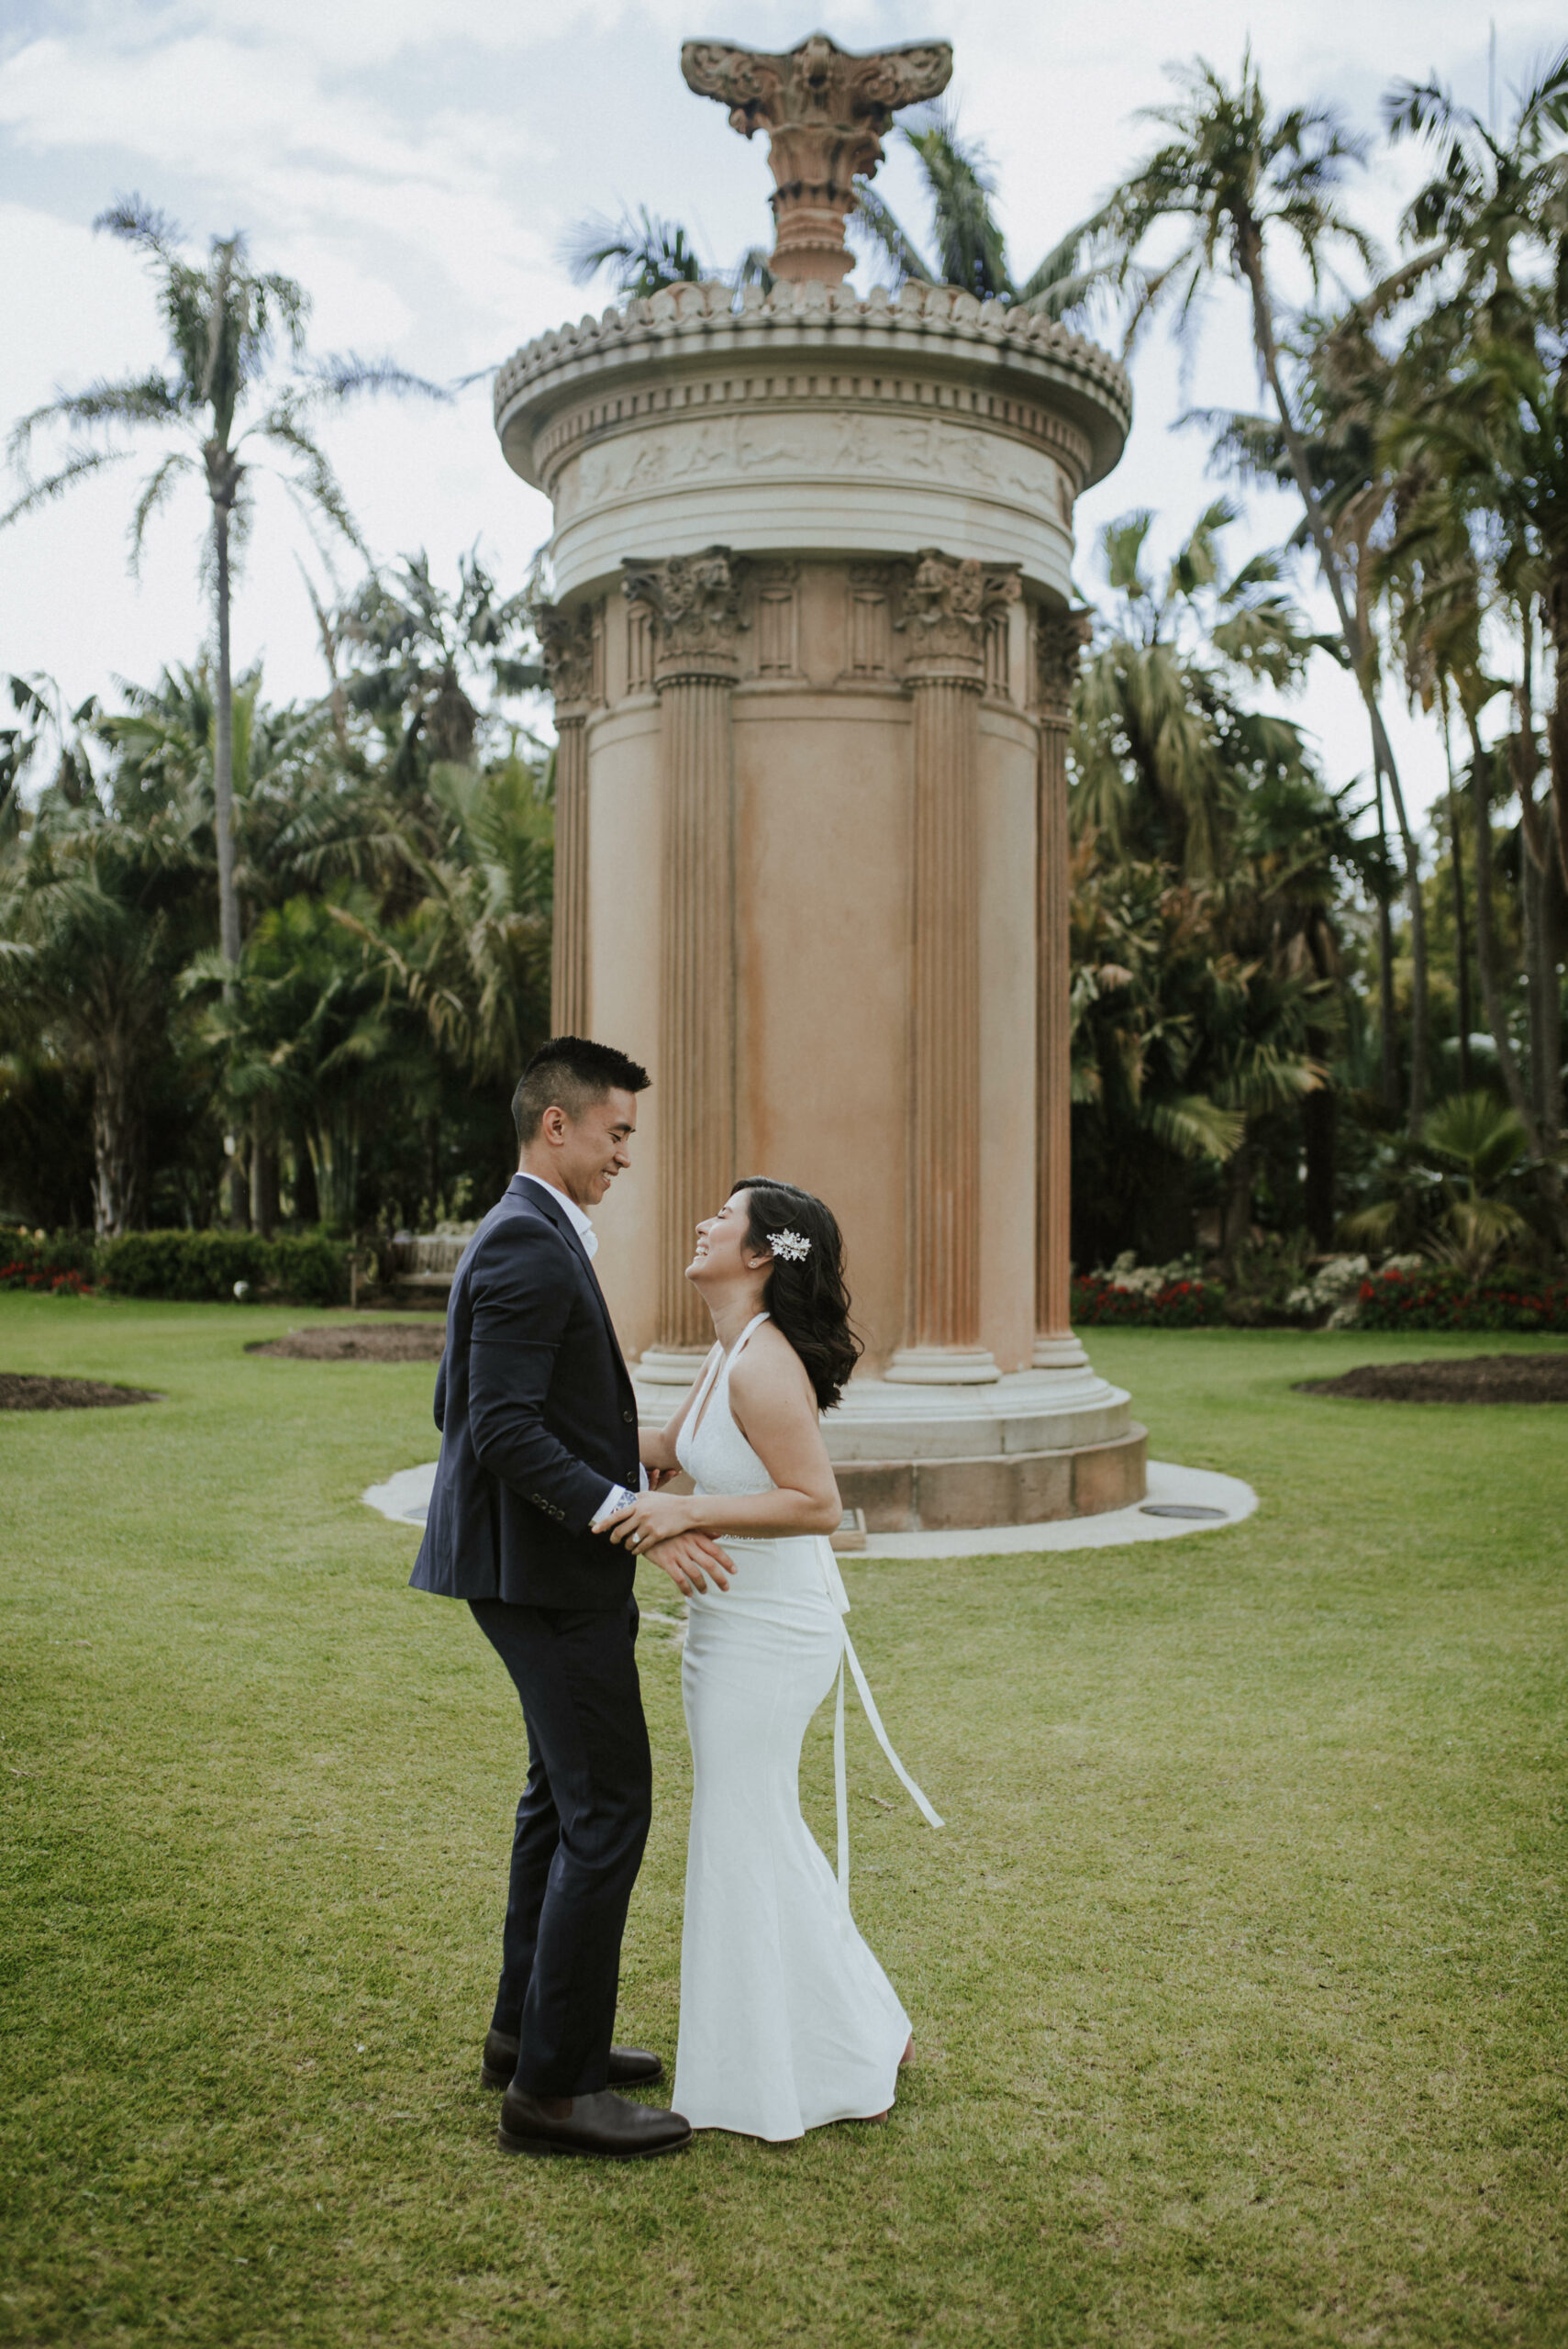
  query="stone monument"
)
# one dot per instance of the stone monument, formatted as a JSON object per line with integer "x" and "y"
{"x": 811, "y": 653}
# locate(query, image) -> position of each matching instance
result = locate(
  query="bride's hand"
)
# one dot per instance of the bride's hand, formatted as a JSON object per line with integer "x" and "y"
{"x": 651, "y": 1517}
{"x": 691, "y": 1561}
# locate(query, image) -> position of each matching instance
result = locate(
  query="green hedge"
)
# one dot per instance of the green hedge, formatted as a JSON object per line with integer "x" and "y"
{"x": 198, "y": 1266}
{"x": 206, "y": 1265}
{"x": 1439, "y": 1299}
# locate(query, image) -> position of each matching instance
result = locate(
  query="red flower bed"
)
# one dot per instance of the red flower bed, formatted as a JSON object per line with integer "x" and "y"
{"x": 1440, "y": 1299}
{"x": 1180, "y": 1305}
{"x": 50, "y": 1278}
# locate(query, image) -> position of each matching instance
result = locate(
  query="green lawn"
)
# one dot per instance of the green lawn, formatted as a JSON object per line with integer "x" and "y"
{"x": 1237, "y": 1971}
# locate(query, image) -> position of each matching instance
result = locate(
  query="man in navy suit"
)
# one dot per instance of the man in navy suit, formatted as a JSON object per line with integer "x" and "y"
{"x": 539, "y": 1440}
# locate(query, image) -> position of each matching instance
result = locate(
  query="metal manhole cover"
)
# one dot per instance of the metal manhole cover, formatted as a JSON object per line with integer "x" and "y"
{"x": 1181, "y": 1508}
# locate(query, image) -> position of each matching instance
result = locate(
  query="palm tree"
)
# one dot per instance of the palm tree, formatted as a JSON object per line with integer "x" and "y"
{"x": 236, "y": 347}
{"x": 1500, "y": 326}
{"x": 968, "y": 248}
{"x": 472, "y": 956}
{"x": 306, "y": 1034}
{"x": 643, "y": 253}
{"x": 1343, "y": 384}
{"x": 1444, "y": 1196}
{"x": 1165, "y": 745}
{"x": 99, "y": 900}
{"x": 1483, "y": 406}
{"x": 1239, "y": 177}
{"x": 418, "y": 655}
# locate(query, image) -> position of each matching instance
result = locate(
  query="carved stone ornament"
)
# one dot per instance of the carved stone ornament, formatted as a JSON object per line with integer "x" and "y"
{"x": 566, "y": 641}
{"x": 825, "y": 109}
{"x": 1059, "y": 640}
{"x": 947, "y": 603}
{"x": 696, "y": 603}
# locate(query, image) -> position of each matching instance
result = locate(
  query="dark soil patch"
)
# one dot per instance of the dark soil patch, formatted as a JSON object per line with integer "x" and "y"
{"x": 351, "y": 1342}
{"x": 1475, "y": 1378}
{"x": 20, "y": 1392}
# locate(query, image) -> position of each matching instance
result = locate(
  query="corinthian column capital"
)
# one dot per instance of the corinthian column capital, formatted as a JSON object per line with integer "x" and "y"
{"x": 947, "y": 604}
{"x": 696, "y": 603}
{"x": 1059, "y": 641}
{"x": 825, "y": 110}
{"x": 566, "y": 641}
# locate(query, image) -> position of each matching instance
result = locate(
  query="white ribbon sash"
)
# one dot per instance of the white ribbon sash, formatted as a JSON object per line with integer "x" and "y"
{"x": 840, "y": 1777}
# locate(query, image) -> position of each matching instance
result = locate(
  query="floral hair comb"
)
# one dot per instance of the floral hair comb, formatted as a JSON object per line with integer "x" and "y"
{"x": 793, "y": 1245}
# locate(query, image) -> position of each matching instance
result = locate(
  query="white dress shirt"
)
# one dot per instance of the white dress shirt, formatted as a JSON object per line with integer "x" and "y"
{"x": 616, "y": 1496}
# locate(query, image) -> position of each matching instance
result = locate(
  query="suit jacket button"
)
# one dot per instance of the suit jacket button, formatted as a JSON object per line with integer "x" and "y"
{"x": 630, "y": 1417}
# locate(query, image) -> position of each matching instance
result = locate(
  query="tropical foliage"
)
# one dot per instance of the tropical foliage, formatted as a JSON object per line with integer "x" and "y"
{"x": 279, "y": 965}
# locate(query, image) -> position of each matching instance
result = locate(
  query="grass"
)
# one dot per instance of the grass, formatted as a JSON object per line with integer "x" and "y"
{"x": 1237, "y": 1971}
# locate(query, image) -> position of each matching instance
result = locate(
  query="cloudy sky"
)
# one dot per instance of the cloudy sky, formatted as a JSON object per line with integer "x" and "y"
{"x": 415, "y": 167}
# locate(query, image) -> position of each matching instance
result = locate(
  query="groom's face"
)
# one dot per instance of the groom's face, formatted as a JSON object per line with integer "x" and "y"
{"x": 594, "y": 1145}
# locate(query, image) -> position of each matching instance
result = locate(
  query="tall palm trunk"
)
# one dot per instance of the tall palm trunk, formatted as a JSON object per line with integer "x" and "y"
{"x": 223, "y": 750}
{"x": 1486, "y": 937}
{"x": 1556, "y": 603}
{"x": 223, "y": 780}
{"x": 1388, "y": 1040}
{"x": 1461, "y": 928}
{"x": 1545, "y": 1014}
{"x": 1536, "y": 877}
{"x": 1358, "y": 644}
{"x": 1320, "y": 1128}
{"x": 264, "y": 1172}
{"x": 117, "y": 1155}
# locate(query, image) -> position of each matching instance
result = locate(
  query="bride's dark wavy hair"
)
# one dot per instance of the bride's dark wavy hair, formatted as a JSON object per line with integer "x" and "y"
{"x": 807, "y": 1298}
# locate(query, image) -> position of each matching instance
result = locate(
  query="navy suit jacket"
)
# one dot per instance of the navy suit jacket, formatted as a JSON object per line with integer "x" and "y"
{"x": 537, "y": 1416}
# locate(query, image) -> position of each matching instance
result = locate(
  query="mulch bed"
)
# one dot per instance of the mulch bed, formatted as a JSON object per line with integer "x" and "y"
{"x": 351, "y": 1342}
{"x": 1476, "y": 1379}
{"x": 20, "y": 1392}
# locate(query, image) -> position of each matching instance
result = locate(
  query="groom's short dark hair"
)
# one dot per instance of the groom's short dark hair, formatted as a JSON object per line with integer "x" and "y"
{"x": 568, "y": 1073}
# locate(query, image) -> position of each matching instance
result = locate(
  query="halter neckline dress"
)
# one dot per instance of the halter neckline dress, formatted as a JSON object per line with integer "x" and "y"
{"x": 787, "y": 2021}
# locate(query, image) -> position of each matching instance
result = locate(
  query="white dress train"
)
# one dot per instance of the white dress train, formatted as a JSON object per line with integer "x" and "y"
{"x": 787, "y": 2021}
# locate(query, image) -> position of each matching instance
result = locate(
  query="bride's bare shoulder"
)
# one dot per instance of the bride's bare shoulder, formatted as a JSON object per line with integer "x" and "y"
{"x": 769, "y": 1367}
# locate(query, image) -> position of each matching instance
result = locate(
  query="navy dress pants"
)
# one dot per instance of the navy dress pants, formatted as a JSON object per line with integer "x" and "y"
{"x": 582, "y": 1824}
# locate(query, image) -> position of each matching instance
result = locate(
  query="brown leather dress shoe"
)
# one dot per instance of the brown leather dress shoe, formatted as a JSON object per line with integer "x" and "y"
{"x": 604, "y": 2125}
{"x": 629, "y": 2066}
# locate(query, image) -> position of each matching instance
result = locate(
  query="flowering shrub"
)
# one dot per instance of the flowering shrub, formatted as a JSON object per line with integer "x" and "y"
{"x": 1158, "y": 1297}
{"x": 60, "y": 1264}
{"x": 1333, "y": 1291}
{"x": 1402, "y": 1296}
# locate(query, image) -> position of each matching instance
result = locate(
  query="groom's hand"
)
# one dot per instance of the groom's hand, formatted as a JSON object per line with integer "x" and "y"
{"x": 690, "y": 1560}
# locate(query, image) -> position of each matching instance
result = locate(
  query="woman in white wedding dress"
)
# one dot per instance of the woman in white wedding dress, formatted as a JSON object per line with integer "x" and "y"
{"x": 787, "y": 2021}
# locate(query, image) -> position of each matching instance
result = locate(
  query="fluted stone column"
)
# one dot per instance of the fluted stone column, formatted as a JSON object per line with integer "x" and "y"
{"x": 946, "y": 606}
{"x": 1060, "y": 637}
{"x": 695, "y": 607}
{"x": 567, "y": 639}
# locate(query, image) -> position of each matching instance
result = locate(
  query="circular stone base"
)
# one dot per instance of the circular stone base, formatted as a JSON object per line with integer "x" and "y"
{"x": 1023, "y": 1450}
{"x": 405, "y": 1498}
{"x": 998, "y": 1489}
